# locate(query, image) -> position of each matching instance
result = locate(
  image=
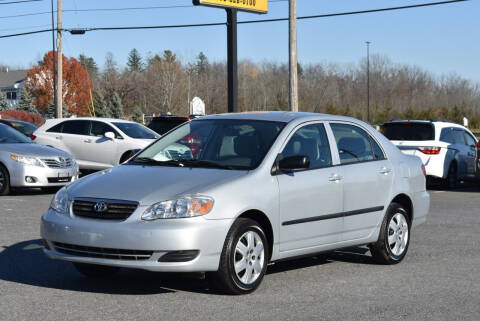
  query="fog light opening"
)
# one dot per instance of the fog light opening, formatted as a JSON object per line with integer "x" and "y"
{"x": 179, "y": 256}
{"x": 30, "y": 179}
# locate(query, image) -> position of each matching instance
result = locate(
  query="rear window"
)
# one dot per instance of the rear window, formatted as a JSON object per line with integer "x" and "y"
{"x": 164, "y": 126}
{"x": 409, "y": 131}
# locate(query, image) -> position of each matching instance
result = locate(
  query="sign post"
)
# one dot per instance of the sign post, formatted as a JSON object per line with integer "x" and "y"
{"x": 232, "y": 6}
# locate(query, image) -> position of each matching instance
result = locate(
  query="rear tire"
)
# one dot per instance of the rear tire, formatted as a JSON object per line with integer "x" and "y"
{"x": 96, "y": 271}
{"x": 4, "y": 181}
{"x": 244, "y": 259}
{"x": 394, "y": 238}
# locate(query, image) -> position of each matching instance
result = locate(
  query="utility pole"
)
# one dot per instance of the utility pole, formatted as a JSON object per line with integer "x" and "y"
{"x": 293, "y": 74}
{"x": 368, "y": 80}
{"x": 53, "y": 59}
{"x": 232, "y": 60}
{"x": 59, "y": 61}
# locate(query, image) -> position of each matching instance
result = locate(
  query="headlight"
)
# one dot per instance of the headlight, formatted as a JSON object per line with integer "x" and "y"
{"x": 185, "y": 206}
{"x": 26, "y": 160}
{"x": 60, "y": 202}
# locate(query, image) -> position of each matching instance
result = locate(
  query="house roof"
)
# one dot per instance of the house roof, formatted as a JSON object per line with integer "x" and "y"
{"x": 10, "y": 78}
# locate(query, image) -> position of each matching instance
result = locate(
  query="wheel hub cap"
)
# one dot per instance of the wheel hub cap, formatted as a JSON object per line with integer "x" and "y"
{"x": 398, "y": 234}
{"x": 249, "y": 258}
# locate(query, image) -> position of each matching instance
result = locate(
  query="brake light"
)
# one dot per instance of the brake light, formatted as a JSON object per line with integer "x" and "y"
{"x": 430, "y": 150}
{"x": 424, "y": 171}
{"x": 478, "y": 144}
{"x": 32, "y": 136}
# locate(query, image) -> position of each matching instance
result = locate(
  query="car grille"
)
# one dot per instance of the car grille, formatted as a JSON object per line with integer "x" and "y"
{"x": 57, "y": 163}
{"x": 103, "y": 253}
{"x": 112, "y": 209}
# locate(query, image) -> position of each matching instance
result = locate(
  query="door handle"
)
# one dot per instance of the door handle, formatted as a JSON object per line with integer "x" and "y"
{"x": 58, "y": 137}
{"x": 385, "y": 171}
{"x": 87, "y": 141}
{"x": 335, "y": 178}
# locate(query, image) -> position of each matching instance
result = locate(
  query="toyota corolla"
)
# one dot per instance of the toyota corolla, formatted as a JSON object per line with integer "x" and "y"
{"x": 259, "y": 188}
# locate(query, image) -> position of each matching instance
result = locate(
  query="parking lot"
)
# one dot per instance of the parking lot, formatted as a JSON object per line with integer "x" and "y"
{"x": 438, "y": 280}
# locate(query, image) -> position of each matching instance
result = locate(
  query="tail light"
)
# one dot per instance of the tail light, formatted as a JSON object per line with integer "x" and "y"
{"x": 424, "y": 171}
{"x": 478, "y": 144}
{"x": 430, "y": 150}
{"x": 32, "y": 136}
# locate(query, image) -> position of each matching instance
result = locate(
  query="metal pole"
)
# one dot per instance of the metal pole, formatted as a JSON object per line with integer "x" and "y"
{"x": 232, "y": 60}
{"x": 59, "y": 61}
{"x": 293, "y": 74}
{"x": 53, "y": 59}
{"x": 368, "y": 81}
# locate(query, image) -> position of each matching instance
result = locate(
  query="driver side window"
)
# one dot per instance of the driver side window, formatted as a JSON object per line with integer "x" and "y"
{"x": 310, "y": 141}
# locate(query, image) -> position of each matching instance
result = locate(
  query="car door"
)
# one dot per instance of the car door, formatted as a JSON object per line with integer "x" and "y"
{"x": 471, "y": 144}
{"x": 367, "y": 179}
{"x": 462, "y": 153}
{"x": 310, "y": 200}
{"x": 74, "y": 134}
{"x": 103, "y": 150}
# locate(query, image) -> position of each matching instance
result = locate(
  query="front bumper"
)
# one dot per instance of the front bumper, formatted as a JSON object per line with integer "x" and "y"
{"x": 160, "y": 237}
{"x": 44, "y": 176}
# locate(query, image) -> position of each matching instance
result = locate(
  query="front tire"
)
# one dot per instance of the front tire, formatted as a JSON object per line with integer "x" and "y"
{"x": 96, "y": 271}
{"x": 4, "y": 181}
{"x": 394, "y": 238}
{"x": 244, "y": 259}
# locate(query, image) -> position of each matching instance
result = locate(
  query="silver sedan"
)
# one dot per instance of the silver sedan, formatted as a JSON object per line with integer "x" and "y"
{"x": 26, "y": 164}
{"x": 242, "y": 191}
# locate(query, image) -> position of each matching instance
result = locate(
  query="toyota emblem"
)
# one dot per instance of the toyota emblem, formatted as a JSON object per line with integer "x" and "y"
{"x": 100, "y": 207}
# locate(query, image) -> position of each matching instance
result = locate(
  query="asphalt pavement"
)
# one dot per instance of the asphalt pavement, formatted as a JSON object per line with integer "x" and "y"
{"x": 438, "y": 280}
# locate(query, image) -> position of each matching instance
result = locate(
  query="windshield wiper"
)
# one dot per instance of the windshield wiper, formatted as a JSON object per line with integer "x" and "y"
{"x": 205, "y": 163}
{"x": 151, "y": 161}
{"x": 182, "y": 163}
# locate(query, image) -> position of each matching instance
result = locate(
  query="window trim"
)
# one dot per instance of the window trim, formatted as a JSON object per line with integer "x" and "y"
{"x": 385, "y": 157}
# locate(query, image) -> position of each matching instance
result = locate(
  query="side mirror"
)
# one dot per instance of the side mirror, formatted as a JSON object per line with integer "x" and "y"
{"x": 291, "y": 163}
{"x": 109, "y": 135}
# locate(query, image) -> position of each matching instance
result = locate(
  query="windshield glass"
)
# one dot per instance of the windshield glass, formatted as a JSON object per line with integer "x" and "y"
{"x": 9, "y": 135}
{"x": 26, "y": 129}
{"x": 409, "y": 131}
{"x": 227, "y": 144}
{"x": 135, "y": 130}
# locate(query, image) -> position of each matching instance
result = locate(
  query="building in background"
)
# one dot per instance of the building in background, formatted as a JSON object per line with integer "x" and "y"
{"x": 11, "y": 82}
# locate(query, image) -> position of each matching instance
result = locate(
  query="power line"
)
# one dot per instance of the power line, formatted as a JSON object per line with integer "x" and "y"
{"x": 243, "y": 22}
{"x": 109, "y": 9}
{"x": 13, "y": 2}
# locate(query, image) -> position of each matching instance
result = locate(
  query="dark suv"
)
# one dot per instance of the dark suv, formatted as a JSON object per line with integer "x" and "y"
{"x": 165, "y": 123}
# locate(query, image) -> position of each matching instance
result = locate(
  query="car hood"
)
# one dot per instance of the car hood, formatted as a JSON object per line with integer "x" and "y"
{"x": 35, "y": 150}
{"x": 149, "y": 184}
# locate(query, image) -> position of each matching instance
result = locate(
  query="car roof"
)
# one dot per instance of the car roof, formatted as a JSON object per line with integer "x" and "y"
{"x": 279, "y": 116}
{"x": 108, "y": 120}
{"x": 16, "y": 121}
{"x": 436, "y": 123}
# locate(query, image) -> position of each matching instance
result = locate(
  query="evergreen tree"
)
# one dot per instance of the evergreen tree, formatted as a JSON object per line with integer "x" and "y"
{"x": 201, "y": 65}
{"x": 25, "y": 104}
{"x": 52, "y": 111}
{"x": 89, "y": 64}
{"x": 137, "y": 114}
{"x": 116, "y": 106}
{"x": 101, "y": 106}
{"x": 134, "y": 62}
{"x": 3, "y": 102}
{"x": 169, "y": 56}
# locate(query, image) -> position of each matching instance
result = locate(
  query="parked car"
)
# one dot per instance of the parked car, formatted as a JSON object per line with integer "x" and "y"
{"x": 24, "y": 127}
{"x": 262, "y": 187}
{"x": 26, "y": 164}
{"x": 96, "y": 143}
{"x": 447, "y": 150}
{"x": 163, "y": 124}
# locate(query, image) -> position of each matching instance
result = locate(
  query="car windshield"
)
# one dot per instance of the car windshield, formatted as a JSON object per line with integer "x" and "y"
{"x": 24, "y": 128}
{"x": 135, "y": 130}
{"x": 224, "y": 144}
{"x": 164, "y": 126}
{"x": 9, "y": 135}
{"x": 408, "y": 131}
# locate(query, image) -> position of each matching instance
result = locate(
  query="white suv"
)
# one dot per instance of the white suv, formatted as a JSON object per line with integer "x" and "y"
{"x": 96, "y": 143}
{"x": 448, "y": 150}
